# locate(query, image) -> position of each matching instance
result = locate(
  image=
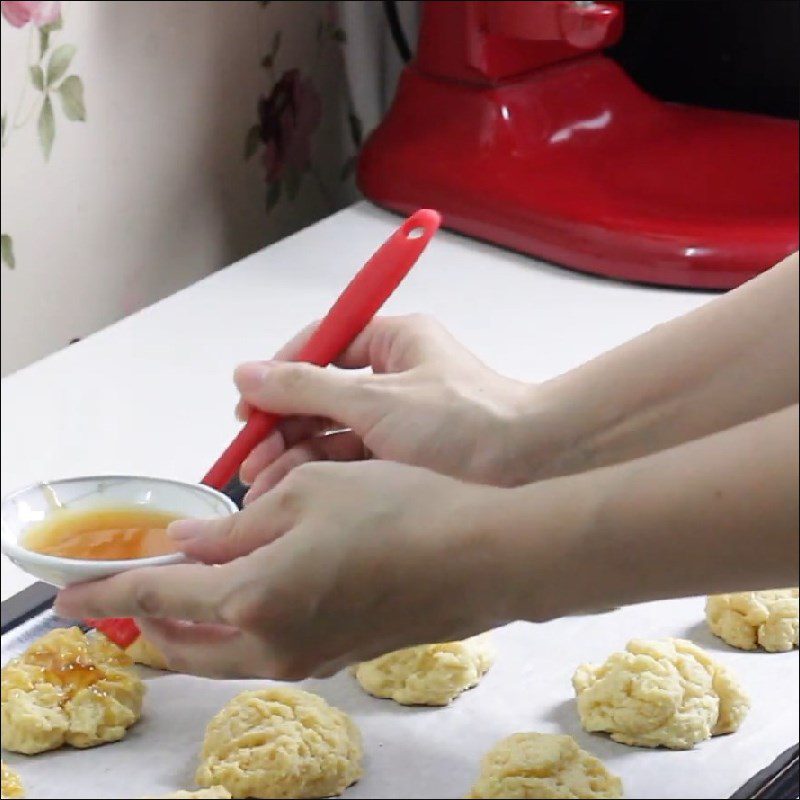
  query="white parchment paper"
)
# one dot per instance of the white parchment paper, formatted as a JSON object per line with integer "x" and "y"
{"x": 435, "y": 753}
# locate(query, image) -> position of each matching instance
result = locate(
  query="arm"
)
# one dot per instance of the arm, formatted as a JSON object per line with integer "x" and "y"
{"x": 340, "y": 563}
{"x": 714, "y": 515}
{"x": 431, "y": 404}
{"x": 730, "y": 361}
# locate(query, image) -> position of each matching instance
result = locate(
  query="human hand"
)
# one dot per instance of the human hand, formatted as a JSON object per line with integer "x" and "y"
{"x": 337, "y": 564}
{"x": 427, "y": 402}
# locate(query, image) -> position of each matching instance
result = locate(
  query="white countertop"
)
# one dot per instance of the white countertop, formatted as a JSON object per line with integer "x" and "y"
{"x": 152, "y": 395}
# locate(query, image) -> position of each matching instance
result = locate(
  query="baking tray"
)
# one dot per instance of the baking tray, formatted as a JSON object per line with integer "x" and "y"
{"x": 419, "y": 752}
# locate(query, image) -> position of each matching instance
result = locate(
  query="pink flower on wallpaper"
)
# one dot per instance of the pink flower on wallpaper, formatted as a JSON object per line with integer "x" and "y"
{"x": 287, "y": 121}
{"x": 19, "y": 14}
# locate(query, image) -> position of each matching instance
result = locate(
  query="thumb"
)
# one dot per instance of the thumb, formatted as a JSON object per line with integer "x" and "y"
{"x": 286, "y": 387}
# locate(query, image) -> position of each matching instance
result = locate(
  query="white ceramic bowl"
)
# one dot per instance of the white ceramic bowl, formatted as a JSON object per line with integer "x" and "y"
{"x": 29, "y": 506}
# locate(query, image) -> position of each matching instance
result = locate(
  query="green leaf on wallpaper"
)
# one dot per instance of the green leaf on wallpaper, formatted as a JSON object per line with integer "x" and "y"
{"x": 266, "y": 62}
{"x": 251, "y": 142}
{"x": 59, "y": 62}
{"x": 55, "y": 25}
{"x": 339, "y": 35}
{"x": 273, "y": 195}
{"x": 276, "y": 43}
{"x": 37, "y": 77}
{"x": 7, "y": 248}
{"x": 348, "y": 168}
{"x": 71, "y": 94}
{"x": 47, "y": 127}
{"x": 44, "y": 35}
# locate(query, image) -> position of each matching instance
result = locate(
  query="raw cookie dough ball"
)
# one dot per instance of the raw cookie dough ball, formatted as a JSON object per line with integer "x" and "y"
{"x": 11, "y": 785}
{"x": 214, "y": 793}
{"x": 665, "y": 693}
{"x": 749, "y": 620}
{"x": 147, "y": 654}
{"x": 427, "y": 675}
{"x": 280, "y": 742}
{"x": 68, "y": 688}
{"x": 543, "y": 765}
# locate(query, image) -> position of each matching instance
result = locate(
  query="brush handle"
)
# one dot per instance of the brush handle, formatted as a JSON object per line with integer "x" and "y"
{"x": 349, "y": 315}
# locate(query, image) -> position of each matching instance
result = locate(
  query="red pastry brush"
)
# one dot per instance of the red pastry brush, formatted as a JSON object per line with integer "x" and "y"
{"x": 357, "y": 305}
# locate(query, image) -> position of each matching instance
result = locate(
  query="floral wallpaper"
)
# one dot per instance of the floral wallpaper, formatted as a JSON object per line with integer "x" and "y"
{"x": 145, "y": 145}
{"x": 47, "y": 76}
{"x": 289, "y": 115}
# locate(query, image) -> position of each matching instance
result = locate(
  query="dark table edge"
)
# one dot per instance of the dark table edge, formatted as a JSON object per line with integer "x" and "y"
{"x": 29, "y": 603}
{"x": 779, "y": 781}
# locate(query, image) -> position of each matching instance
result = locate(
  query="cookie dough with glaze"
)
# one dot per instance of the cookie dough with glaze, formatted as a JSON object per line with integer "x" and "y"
{"x": 664, "y": 693}
{"x": 542, "y": 765}
{"x": 749, "y": 620}
{"x": 68, "y": 688}
{"x": 10, "y": 785}
{"x": 427, "y": 675}
{"x": 280, "y": 742}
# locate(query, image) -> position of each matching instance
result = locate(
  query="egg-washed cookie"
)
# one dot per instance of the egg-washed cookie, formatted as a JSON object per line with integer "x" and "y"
{"x": 68, "y": 688}
{"x": 11, "y": 784}
{"x": 664, "y": 693}
{"x": 280, "y": 742}
{"x": 541, "y": 765}
{"x": 429, "y": 674}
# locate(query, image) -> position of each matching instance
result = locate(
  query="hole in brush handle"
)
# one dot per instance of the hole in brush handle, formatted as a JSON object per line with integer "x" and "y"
{"x": 422, "y": 223}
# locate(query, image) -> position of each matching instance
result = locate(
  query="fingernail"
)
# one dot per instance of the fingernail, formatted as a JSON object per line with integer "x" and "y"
{"x": 250, "y": 376}
{"x": 184, "y": 529}
{"x": 268, "y": 451}
{"x": 274, "y": 443}
{"x": 244, "y": 473}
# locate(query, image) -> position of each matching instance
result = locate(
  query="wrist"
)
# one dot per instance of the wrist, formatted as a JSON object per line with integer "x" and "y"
{"x": 529, "y": 547}
{"x": 541, "y": 438}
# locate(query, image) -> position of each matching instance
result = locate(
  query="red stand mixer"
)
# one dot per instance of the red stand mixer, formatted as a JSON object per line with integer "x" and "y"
{"x": 513, "y": 124}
